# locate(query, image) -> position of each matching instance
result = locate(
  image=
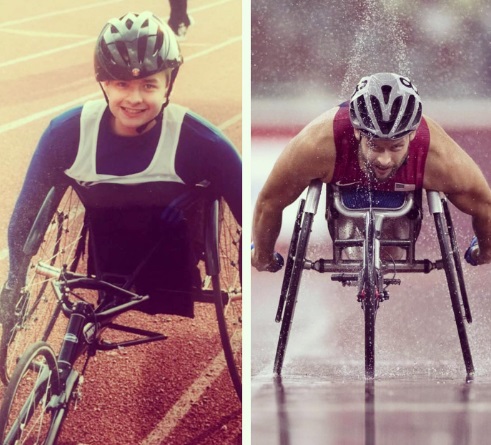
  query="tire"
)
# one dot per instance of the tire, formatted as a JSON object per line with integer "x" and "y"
{"x": 370, "y": 301}
{"x": 291, "y": 298}
{"x": 454, "y": 289}
{"x": 457, "y": 261}
{"x": 24, "y": 416}
{"x": 55, "y": 240}
{"x": 224, "y": 245}
{"x": 290, "y": 260}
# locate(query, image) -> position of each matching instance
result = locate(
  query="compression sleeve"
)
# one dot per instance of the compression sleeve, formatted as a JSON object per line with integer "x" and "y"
{"x": 54, "y": 153}
{"x": 206, "y": 154}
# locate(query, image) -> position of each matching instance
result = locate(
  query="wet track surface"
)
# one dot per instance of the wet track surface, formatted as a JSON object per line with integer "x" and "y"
{"x": 413, "y": 410}
{"x": 420, "y": 394}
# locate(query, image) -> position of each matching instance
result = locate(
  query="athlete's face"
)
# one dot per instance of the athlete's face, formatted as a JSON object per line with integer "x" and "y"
{"x": 381, "y": 158}
{"x": 136, "y": 102}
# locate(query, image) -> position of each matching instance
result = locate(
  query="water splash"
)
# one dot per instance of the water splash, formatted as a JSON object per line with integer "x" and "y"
{"x": 379, "y": 44}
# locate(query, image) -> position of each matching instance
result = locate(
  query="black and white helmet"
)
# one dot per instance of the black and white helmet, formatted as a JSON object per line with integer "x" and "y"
{"x": 385, "y": 105}
{"x": 135, "y": 46}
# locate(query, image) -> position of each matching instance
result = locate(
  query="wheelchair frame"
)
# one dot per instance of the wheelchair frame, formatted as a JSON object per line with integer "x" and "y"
{"x": 368, "y": 273}
{"x": 57, "y": 378}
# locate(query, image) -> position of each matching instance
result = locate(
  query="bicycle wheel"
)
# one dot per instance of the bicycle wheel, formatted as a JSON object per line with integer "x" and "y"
{"x": 228, "y": 293}
{"x": 25, "y": 414}
{"x": 55, "y": 240}
{"x": 291, "y": 298}
{"x": 454, "y": 289}
{"x": 370, "y": 301}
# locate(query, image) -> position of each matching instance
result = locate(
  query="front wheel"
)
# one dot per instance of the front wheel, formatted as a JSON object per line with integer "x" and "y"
{"x": 55, "y": 240}
{"x": 26, "y": 414}
{"x": 370, "y": 295}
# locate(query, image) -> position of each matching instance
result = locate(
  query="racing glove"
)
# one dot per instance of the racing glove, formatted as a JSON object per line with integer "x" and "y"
{"x": 468, "y": 253}
{"x": 277, "y": 264}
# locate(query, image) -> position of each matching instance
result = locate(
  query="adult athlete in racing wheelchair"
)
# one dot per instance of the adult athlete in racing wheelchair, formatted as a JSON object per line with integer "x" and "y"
{"x": 376, "y": 153}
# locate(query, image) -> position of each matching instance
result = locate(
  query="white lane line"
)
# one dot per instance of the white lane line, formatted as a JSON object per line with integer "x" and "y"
{"x": 228, "y": 123}
{"x": 81, "y": 43}
{"x": 33, "y": 117}
{"x": 47, "y": 53}
{"x": 41, "y": 114}
{"x": 172, "y": 418}
{"x": 208, "y": 6}
{"x": 55, "y": 13}
{"x": 92, "y": 40}
{"x": 31, "y": 33}
{"x": 214, "y": 48}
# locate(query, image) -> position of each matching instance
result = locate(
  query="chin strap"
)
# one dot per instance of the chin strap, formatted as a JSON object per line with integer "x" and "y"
{"x": 157, "y": 118}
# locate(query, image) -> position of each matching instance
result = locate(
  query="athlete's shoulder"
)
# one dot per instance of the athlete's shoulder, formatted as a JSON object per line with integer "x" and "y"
{"x": 197, "y": 124}
{"x": 69, "y": 121}
{"x": 198, "y": 132}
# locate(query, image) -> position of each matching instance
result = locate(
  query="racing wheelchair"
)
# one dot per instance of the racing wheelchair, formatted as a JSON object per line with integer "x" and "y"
{"x": 359, "y": 261}
{"x": 43, "y": 354}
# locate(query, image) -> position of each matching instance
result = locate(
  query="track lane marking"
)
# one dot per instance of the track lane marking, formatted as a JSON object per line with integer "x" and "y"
{"x": 46, "y": 53}
{"x": 41, "y": 114}
{"x": 81, "y": 43}
{"x": 172, "y": 418}
{"x": 55, "y": 13}
{"x": 25, "y": 32}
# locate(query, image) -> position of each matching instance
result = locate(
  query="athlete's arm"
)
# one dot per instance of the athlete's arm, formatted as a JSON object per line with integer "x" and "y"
{"x": 451, "y": 170}
{"x": 309, "y": 155}
{"x": 51, "y": 157}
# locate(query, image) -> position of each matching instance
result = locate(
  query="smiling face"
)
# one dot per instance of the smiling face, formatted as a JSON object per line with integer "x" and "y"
{"x": 381, "y": 158}
{"x": 136, "y": 102}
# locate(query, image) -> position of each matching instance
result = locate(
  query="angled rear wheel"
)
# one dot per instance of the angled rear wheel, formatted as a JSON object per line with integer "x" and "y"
{"x": 224, "y": 273}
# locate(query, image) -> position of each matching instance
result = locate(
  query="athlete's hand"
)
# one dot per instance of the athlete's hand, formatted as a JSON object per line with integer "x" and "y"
{"x": 272, "y": 263}
{"x": 472, "y": 252}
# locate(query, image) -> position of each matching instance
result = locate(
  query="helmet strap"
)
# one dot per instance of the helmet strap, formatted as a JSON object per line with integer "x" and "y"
{"x": 103, "y": 92}
{"x": 157, "y": 118}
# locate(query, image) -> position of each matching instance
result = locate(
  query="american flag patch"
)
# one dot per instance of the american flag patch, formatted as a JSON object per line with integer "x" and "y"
{"x": 404, "y": 187}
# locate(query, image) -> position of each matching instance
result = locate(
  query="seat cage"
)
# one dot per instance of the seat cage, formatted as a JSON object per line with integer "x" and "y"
{"x": 409, "y": 211}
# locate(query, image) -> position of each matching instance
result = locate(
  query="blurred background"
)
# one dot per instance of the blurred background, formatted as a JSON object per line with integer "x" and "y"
{"x": 325, "y": 47}
{"x": 318, "y": 50}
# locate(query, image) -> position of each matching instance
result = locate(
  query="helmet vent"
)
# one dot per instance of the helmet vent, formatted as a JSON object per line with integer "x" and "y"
{"x": 386, "y": 90}
{"x": 362, "y": 107}
{"x": 408, "y": 113}
{"x": 142, "y": 47}
{"x": 129, "y": 23}
{"x": 159, "y": 41}
{"x": 123, "y": 51}
{"x": 145, "y": 24}
{"x": 384, "y": 126}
